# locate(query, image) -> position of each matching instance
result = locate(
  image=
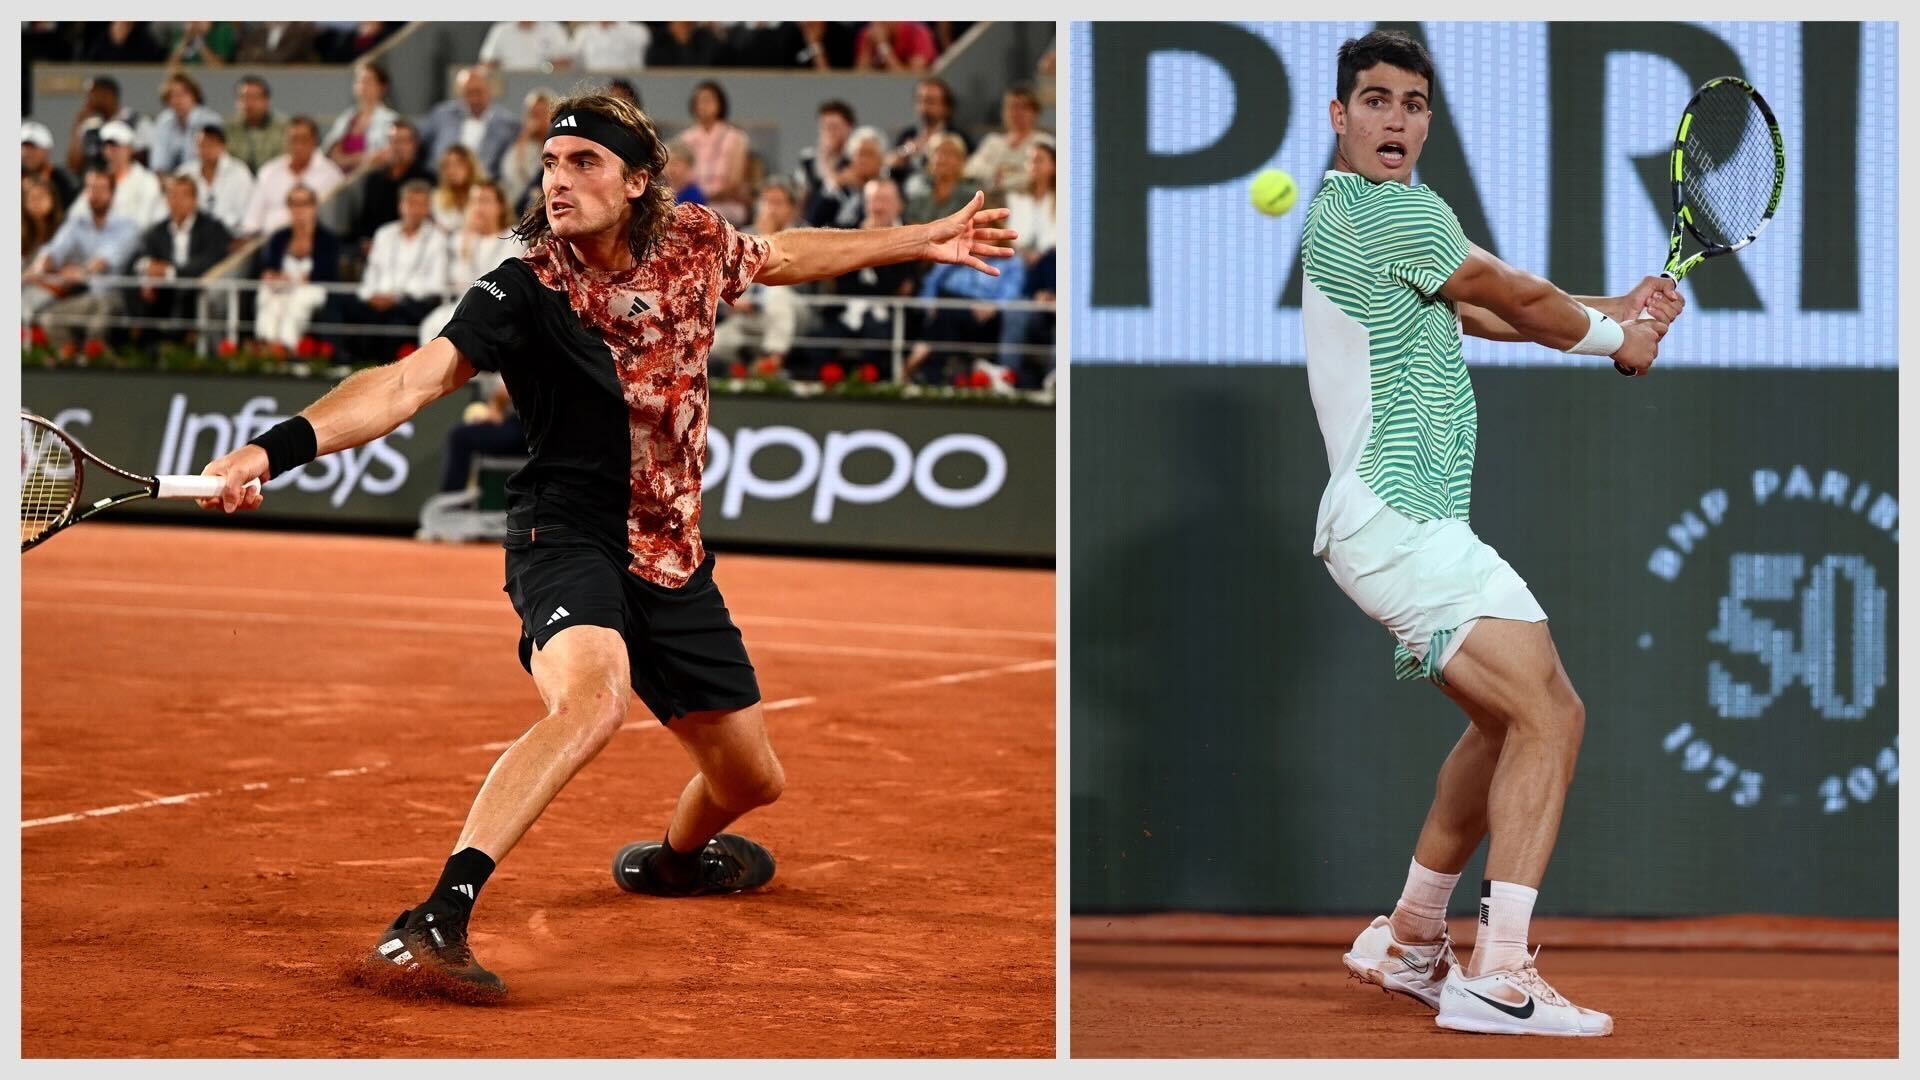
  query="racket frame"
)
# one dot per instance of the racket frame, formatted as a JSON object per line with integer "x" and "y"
{"x": 78, "y": 511}
{"x": 1683, "y": 215}
{"x": 1683, "y": 225}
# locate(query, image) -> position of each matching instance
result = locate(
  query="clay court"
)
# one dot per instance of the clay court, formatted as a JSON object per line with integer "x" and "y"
{"x": 244, "y": 752}
{"x": 1223, "y": 986}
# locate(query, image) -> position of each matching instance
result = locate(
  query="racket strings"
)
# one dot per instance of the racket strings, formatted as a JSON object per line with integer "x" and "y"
{"x": 49, "y": 480}
{"x": 1728, "y": 169}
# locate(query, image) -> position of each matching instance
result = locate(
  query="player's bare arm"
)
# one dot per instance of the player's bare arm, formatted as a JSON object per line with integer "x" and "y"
{"x": 364, "y": 407}
{"x": 966, "y": 238}
{"x": 1531, "y": 308}
{"x": 1657, "y": 296}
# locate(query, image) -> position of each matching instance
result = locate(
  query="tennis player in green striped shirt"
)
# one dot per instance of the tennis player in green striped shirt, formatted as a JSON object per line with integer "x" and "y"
{"x": 1391, "y": 284}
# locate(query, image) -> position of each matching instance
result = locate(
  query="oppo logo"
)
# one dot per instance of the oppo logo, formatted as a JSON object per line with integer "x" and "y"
{"x": 733, "y": 471}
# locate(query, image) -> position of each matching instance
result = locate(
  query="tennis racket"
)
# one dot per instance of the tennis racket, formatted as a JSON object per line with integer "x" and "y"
{"x": 1729, "y": 167}
{"x": 53, "y": 474}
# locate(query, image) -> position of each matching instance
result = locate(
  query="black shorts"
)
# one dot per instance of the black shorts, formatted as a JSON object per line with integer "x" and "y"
{"x": 684, "y": 654}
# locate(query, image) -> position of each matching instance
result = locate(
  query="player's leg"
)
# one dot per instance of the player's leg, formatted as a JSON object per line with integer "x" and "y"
{"x": 1510, "y": 670}
{"x": 692, "y": 671}
{"x": 581, "y": 674}
{"x": 1456, "y": 823}
{"x": 738, "y": 772}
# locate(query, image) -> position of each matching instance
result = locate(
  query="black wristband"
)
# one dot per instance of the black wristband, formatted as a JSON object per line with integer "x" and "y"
{"x": 289, "y": 445}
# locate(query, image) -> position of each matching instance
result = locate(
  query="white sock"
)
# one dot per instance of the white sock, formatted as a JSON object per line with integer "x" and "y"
{"x": 1505, "y": 911}
{"x": 1421, "y": 914}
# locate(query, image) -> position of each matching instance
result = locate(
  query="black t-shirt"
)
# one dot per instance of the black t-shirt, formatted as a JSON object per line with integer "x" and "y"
{"x": 609, "y": 374}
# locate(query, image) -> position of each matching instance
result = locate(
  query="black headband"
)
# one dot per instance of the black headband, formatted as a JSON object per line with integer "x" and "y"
{"x": 596, "y": 128}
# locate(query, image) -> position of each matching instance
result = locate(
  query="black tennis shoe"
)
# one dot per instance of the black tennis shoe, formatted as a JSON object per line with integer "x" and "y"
{"x": 434, "y": 949}
{"x": 728, "y": 864}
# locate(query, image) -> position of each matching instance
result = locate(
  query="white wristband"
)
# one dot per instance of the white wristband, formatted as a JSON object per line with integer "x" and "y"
{"x": 1604, "y": 336}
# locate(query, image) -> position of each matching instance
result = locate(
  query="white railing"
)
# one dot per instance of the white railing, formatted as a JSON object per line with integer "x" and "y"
{"x": 217, "y": 316}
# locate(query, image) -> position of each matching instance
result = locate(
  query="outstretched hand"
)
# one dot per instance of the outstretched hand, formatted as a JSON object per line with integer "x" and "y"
{"x": 967, "y": 237}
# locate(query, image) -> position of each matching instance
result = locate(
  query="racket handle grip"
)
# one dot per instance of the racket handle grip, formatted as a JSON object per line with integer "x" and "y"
{"x": 1642, "y": 317}
{"x": 196, "y": 487}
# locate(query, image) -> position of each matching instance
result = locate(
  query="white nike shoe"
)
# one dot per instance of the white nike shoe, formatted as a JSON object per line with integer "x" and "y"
{"x": 1515, "y": 1001}
{"x": 1416, "y": 970}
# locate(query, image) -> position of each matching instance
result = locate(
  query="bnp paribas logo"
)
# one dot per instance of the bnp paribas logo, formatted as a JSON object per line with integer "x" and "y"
{"x": 1773, "y": 625}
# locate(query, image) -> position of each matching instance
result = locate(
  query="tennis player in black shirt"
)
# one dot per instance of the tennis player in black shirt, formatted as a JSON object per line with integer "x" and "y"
{"x": 601, "y": 333}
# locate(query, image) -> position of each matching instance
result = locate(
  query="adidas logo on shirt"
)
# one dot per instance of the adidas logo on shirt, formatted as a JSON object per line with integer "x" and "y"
{"x": 634, "y": 309}
{"x": 558, "y": 614}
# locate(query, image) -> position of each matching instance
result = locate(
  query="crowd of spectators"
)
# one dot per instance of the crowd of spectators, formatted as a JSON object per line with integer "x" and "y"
{"x": 857, "y": 177}
{"x": 169, "y": 196}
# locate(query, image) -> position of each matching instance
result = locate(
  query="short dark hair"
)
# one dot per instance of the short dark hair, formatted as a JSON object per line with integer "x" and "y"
{"x": 416, "y": 186}
{"x": 105, "y": 82}
{"x": 718, "y": 95}
{"x": 307, "y": 122}
{"x": 193, "y": 88}
{"x": 1393, "y": 47}
{"x": 1026, "y": 93}
{"x": 97, "y": 167}
{"x": 946, "y": 92}
{"x": 619, "y": 87}
{"x": 838, "y": 108}
{"x": 255, "y": 80}
{"x": 402, "y": 122}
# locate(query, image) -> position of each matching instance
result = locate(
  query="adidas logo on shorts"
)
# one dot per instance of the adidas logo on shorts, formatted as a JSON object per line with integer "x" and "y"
{"x": 558, "y": 614}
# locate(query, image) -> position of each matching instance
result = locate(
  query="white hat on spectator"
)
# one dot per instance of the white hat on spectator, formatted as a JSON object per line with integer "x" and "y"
{"x": 116, "y": 131}
{"x": 35, "y": 132}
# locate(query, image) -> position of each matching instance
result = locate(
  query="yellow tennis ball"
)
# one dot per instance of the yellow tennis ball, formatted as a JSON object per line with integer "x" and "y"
{"x": 1273, "y": 192}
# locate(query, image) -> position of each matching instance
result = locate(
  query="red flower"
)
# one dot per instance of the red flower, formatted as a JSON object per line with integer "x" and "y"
{"x": 406, "y": 349}
{"x": 981, "y": 380}
{"x": 736, "y": 370}
{"x": 95, "y": 348}
{"x": 831, "y": 373}
{"x": 229, "y": 347}
{"x": 306, "y": 348}
{"x": 767, "y": 365}
{"x": 68, "y": 349}
{"x": 277, "y": 351}
{"x": 869, "y": 373}
{"x": 326, "y": 350}
{"x": 39, "y": 335}
{"x": 960, "y": 380}
{"x": 1006, "y": 376}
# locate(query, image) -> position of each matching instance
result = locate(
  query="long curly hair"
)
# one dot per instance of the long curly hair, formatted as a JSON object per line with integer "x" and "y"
{"x": 652, "y": 211}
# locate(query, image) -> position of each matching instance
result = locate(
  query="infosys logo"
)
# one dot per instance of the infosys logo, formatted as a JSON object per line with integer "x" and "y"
{"x": 194, "y": 438}
{"x": 734, "y": 469}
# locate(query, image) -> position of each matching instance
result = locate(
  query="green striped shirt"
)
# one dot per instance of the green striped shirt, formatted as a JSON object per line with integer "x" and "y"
{"x": 1383, "y": 347}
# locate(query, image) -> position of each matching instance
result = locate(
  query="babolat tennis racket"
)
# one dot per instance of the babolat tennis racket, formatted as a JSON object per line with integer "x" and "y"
{"x": 52, "y": 476}
{"x": 1729, "y": 167}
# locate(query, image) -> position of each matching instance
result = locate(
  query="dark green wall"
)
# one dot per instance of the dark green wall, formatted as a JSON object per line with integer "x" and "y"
{"x": 1238, "y": 740}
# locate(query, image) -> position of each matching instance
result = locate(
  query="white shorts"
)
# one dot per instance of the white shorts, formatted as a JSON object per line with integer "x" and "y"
{"x": 1426, "y": 582}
